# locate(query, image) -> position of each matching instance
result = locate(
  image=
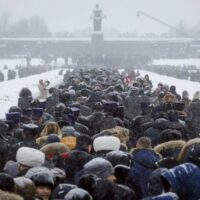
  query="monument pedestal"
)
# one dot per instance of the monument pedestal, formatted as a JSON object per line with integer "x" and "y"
{"x": 97, "y": 37}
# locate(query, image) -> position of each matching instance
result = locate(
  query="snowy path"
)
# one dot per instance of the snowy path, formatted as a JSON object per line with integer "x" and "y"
{"x": 9, "y": 90}
{"x": 181, "y": 85}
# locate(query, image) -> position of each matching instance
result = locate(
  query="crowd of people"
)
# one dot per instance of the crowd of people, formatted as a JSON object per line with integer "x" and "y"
{"x": 32, "y": 70}
{"x": 187, "y": 72}
{"x": 22, "y": 72}
{"x": 101, "y": 135}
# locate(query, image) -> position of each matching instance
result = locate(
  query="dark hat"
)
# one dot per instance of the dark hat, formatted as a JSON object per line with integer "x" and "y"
{"x": 14, "y": 109}
{"x": 77, "y": 105}
{"x": 69, "y": 117}
{"x": 100, "y": 167}
{"x": 78, "y": 194}
{"x": 121, "y": 172}
{"x": 30, "y": 129}
{"x": 118, "y": 157}
{"x": 179, "y": 106}
{"x": 168, "y": 162}
{"x": 172, "y": 88}
{"x": 52, "y": 138}
{"x": 27, "y": 112}
{"x": 109, "y": 106}
{"x": 83, "y": 141}
{"x": 61, "y": 190}
{"x": 40, "y": 176}
{"x": 30, "y": 126}
{"x": 75, "y": 111}
{"x": 14, "y": 117}
{"x": 25, "y": 92}
{"x": 6, "y": 182}
{"x": 37, "y": 112}
{"x": 69, "y": 131}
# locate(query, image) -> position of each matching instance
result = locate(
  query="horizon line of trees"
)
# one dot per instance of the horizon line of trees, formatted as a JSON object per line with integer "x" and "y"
{"x": 36, "y": 26}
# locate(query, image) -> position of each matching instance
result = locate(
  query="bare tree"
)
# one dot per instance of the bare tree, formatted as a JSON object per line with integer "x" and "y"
{"x": 4, "y": 24}
{"x": 21, "y": 28}
{"x": 38, "y": 27}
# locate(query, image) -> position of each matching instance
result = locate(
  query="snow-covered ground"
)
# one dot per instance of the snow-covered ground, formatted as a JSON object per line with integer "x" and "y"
{"x": 177, "y": 62}
{"x": 9, "y": 90}
{"x": 181, "y": 85}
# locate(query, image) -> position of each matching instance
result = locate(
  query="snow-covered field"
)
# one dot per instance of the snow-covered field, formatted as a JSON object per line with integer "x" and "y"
{"x": 9, "y": 90}
{"x": 177, "y": 62}
{"x": 181, "y": 85}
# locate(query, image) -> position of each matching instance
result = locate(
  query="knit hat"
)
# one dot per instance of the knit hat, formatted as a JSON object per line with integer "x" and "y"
{"x": 30, "y": 157}
{"x": 109, "y": 143}
{"x": 69, "y": 131}
{"x": 99, "y": 167}
{"x": 52, "y": 138}
{"x": 40, "y": 176}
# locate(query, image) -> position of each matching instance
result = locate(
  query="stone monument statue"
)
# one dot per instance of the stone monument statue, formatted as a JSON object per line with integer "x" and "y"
{"x": 97, "y": 19}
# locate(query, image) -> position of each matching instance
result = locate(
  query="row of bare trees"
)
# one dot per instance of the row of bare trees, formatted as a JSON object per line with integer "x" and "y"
{"x": 32, "y": 27}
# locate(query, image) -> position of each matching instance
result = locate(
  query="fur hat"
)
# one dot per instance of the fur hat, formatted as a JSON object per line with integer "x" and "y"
{"x": 110, "y": 143}
{"x": 51, "y": 127}
{"x": 186, "y": 150}
{"x": 54, "y": 149}
{"x": 25, "y": 188}
{"x": 9, "y": 196}
{"x": 169, "y": 98}
{"x": 121, "y": 133}
{"x": 30, "y": 157}
{"x": 171, "y": 145}
{"x": 41, "y": 140}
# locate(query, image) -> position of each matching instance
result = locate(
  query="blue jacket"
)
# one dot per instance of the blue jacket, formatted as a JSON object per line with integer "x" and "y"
{"x": 143, "y": 164}
{"x": 166, "y": 196}
{"x": 184, "y": 180}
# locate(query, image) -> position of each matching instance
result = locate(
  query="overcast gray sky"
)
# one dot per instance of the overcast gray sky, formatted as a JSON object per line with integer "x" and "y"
{"x": 67, "y": 15}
